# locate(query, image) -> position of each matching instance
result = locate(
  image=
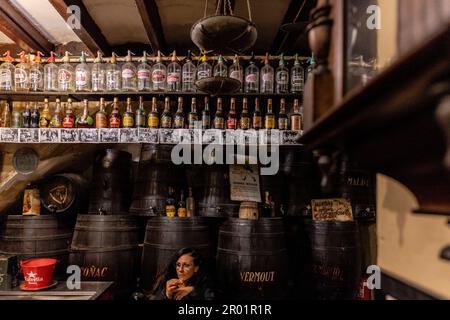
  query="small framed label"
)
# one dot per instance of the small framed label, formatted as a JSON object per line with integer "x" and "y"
{"x": 9, "y": 135}
{"x": 69, "y": 136}
{"x": 109, "y": 135}
{"x": 147, "y": 135}
{"x": 289, "y": 137}
{"x": 49, "y": 135}
{"x": 332, "y": 210}
{"x": 129, "y": 135}
{"x": 169, "y": 136}
{"x": 29, "y": 135}
{"x": 212, "y": 136}
{"x": 89, "y": 135}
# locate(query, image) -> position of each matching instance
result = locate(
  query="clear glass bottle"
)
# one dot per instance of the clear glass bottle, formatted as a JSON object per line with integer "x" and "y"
{"x": 16, "y": 119}
{"x": 83, "y": 75}
{"x": 267, "y": 77}
{"x": 144, "y": 74}
{"x": 5, "y": 121}
{"x": 179, "y": 115}
{"x": 204, "y": 70}
{"x": 22, "y": 74}
{"x": 7, "y": 73}
{"x": 252, "y": 77}
{"x": 51, "y": 74}
{"x": 113, "y": 75}
{"x": 166, "y": 117}
{"x": 98, "y": 74}
{"x": 221, "y": 69}
{"x": 44, "y": 121}
{"x": 66, "y": 75}
{"x": 140, "y": 116}
{"x": 189, "y": 74}
{"x": 174, "y": 75}
{"x": 129, "y": 74}
{"x": 37, "y": 74}
{"x": 282, "y": 77}
{"x": 159, "y": 74}
{"x": 85, "y": 120}
{"x": 236, "y": 71}
{"x": 297, "y": 77}
{"x": 69, "y": 117}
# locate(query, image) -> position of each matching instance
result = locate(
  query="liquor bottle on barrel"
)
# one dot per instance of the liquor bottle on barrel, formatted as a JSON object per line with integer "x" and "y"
{"x": 153, "y": 116}
{"x": 113, "y": 75}
{"x": 69, "y": 118}
{"x": 101, "y": 118}
{"x": 296, "y": 118}
{"x": 282, "y": 77}
{"x": 219, "y": 121}
{"x": 245, "y": 121}
{"x": 140, "y": 116}
{"x": 35, "y": 116}
{"x": 26, "y": 116}
{"x": 66, "y": 78}
{"x": 181, "y": 210}
{"x": 7, "y": 70}
{"x": 269, "y": 206}
{"x": 189, "y": 72}
{"x": 166, "y": 117}
{"x": 98, "y": 74}
{"x": 159, "y": 74}
{"x": 129, "y": 75}
{"x": 269, "y": 119}
{"x": 297, "y": 77}
{"x": 174, "y": 75}
{"x": 115, "y": 118}
{"x": 179, "y": 115}
{"x": 257, "y": 116}
{"x": 6, "y": 117}
{"x": 206, "y": 116}
{"x": 193, "y": 116}
{"x": 128, "y": 116}
{"x": 83, "y": 75}
{"x": 252, "y": 77}
{"x": 267, "y": 76}
{"x": 37, "y": 74}
{"x": 51, "y": 74}
{"x": 22, "y": 74}
{"x": 85, "y": 120}
{"x": 57, "y": 118}
{"x": 236, "y": 71}
{"x": 190, "y": 205}
{"x": 171, "y": 204}
{"x": 232, "y": 122}
{"x": 283, "y": 120}
{"x": 221, "y": 69}
{"x": 31, "y": 201}
{"x": 144, "y": 72}
{"x": 44, "y": 121}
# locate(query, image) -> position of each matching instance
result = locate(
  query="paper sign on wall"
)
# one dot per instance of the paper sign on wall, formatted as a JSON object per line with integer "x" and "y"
{"x": 244, "y": 181}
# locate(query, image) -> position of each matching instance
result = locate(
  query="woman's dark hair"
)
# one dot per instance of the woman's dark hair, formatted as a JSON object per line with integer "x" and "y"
{"x": 170, "y": 272}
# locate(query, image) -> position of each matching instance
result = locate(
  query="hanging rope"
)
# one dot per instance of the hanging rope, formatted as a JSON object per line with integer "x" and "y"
{"x": 219, "y": 5}
{"x": 229, "y": 7}
{"x": 300, "y": 11}
{"x": 206, "y": 9}
{"x": 250, "y": 11}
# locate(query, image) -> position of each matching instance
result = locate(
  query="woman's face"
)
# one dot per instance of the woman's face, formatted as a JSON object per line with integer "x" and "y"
{"x": 185, "y": 267}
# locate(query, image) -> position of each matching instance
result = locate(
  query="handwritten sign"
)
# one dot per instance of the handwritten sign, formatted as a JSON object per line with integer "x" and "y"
{"x": 332, "y": 210}
{"x": 244, "y": 181}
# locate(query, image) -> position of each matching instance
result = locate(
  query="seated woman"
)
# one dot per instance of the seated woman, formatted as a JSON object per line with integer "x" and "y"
{"x": 185, "y": 278}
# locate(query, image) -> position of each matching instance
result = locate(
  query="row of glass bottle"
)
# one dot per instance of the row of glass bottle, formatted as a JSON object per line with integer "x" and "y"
{"x": 111, "y": 77}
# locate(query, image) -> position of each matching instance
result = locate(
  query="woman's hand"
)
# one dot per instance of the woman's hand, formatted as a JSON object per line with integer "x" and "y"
{"x": 171, "y": 287}
{"x": 180, "y": 293}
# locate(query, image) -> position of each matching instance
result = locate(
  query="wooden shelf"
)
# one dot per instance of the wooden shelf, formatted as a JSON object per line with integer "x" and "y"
{"x": 397, "y": 124}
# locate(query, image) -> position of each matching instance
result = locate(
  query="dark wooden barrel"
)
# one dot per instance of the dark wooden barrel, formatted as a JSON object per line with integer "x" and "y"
{"x": 106, "y": 249}
{"x": 37, "y": 237}
{"x": 64, "y": 194}
{"x": 252, "y": 260}
{"x": 215, "y": 196}
{"x": 331, "y": 255}
{"x": 166, "y": 236}
{"x": 111, "y": 186}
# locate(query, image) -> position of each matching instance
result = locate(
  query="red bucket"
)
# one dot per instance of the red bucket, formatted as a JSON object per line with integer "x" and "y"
{"x": 38, "y": 273}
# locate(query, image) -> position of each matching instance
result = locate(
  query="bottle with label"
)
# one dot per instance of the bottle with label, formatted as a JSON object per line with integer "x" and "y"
{"x": 113, "y": 75}
{"x": 232, "y": 122}
{"x": 35, "y": 116}
{"x": 269, "y": 119}
{"x": 85, "y": 120}
{"x": 115, "y": 118}
{"x": 98, "y": 74}
{"x": 5, "y": 121}
{"x": 267, "y": 77}
{"x": 204, "y": 70}
{"x": 128, "y": 116}
{"x": 7, "y": 71}
{"x": 57, "y": 118}
{"x": 141, "y": 116}
{"x": 83, "y": 75}
{"x": 283, "y": 120}
{"x": 174, "y": 75}
{"x": 69, "y": 118}
{"x": 129, "y": 74}
{"x": 37, "y": 74}
{"x": 26, "y": 116}
{"x": 244, "y": 122}
{"x": 51, "y": 71}
{"x": 236, "y": 71}
{"x": 66, "y": 75}
{"x": 282, "y": 77}
{"x": 219, "y": 121}
{"x": 257, "y": 116}
{"x": 193, "y": 116}
{"x": 159, "y": 74}
{"x": 190, "y": 205}
{"x": 153, "y": 116}
{"x": 171, "y": 204}
{"x": 252, "y": 77}
{"x": 220, "y": 69}
{"x": 16, "y": 119}
{"x": 206, "y": 115}
{"x": 189, "y": 72}
{"x": 296, "y": 118}
{"x": 269, "y": 206}
{"x": 181, "y": 210}
{"x": 144, "y": 74}
{"x": 44, "y": 120}
{"x": 297, "y": 77}
{"x": 101, "y": 118}
{"x": 31, "y": 201}
{"x": 166, "y": 117}
{"x": 179, "y": 115}
{"x": 22, "y": 74}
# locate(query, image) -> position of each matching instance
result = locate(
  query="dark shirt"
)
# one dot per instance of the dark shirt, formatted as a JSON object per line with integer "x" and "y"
{"x": 200, "y": 292}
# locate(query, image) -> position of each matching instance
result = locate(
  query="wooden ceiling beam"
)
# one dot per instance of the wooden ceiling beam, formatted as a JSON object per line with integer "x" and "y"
{"x": 17, "y": 27}
{"x": 89, "y": 33}
{"x": 152, "y": 23}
